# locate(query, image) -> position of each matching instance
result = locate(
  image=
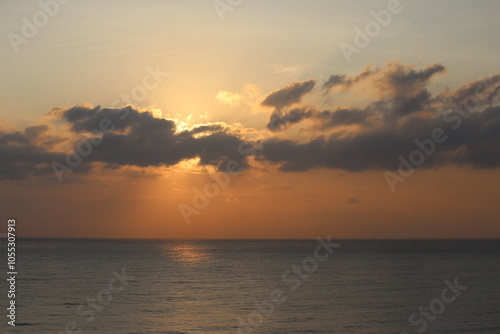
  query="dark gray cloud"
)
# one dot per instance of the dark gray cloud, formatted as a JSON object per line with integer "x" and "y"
{"x": 21, "y": 155}
{"x": 344, "y": 117}
{"x": 335, "y": 80}
{"x": 140, "y": 139}
{"x": 404, "y": 77}
{"x": 403, "y": 111}
{"x": 122, "y": 137}
{"x": 345, "y": 82}
{"x": 488, "y": 88}
{"x": 408, "y": 89}
{"x": 280, "y": 120}
{"x": 289, "y": 94}
{"x": 401, "y": 88}
{"x": 474, "y": 140}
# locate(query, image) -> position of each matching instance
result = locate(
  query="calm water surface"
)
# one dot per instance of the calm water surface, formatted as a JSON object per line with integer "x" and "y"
{"x": 217, "y": 287}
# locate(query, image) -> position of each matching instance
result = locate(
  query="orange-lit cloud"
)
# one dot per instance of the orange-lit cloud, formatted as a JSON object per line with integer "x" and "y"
{"x": 370, "y": 138}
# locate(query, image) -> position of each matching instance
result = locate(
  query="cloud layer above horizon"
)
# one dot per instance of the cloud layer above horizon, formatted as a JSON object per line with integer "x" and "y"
{"x": 298, "y": 136}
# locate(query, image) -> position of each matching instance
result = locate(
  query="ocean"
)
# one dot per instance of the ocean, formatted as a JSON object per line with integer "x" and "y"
{"x": 247, "y": 286}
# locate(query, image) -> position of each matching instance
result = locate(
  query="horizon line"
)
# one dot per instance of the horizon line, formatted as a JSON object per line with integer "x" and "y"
{"x": 258, "y": 239}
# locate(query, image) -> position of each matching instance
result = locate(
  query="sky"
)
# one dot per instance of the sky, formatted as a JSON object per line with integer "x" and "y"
{"x": 250, "y": 119}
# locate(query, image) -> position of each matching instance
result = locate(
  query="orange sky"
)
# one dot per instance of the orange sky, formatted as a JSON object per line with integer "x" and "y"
{"x": 195, "y": 85}
{"x": 431, "y": 204}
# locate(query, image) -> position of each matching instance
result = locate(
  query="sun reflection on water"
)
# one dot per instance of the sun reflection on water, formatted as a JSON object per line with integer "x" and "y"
{"x": 187, "y": 252}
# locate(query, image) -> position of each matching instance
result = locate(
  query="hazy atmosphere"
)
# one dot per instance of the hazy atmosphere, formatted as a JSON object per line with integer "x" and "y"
{"x": 249, "y": 167}
{"x": 250, "y": 119}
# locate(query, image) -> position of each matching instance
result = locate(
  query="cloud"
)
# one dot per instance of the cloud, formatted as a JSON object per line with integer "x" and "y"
{"x": 474, "y": 140}
{"x": 133, "y": 138}
{"x": 399, "y": 88}
{"x": 289, "y": 94}
{"x": 400, "y": 119}
{"x": 353, "y": 200}
{"x": 345, "y": 82}
{"x": 225, "y": 97}
{"x": 488, "y": 88}
{"x": 140, "y": 139}
{"x": 280, "y": 69}
{"x": 326, "y": 118}
{"x": 24, "y": 154}
{"x": 280, "y": 120}
{"x": 249, "y": 98}
{"x": 404, "y": 111}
